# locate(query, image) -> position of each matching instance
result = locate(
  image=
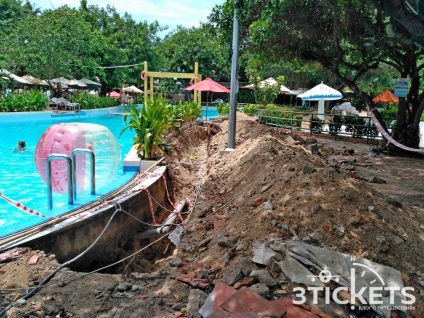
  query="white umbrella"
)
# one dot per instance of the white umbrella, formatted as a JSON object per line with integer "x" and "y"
{"x": 271, "y": 81}
{"x": 132, "y": 89}
{"x": 321, "y": 93}
{"x": 16, "y": 78}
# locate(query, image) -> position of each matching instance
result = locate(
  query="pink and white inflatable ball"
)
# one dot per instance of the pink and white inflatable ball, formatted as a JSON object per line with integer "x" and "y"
{"x": 64, "y": 138}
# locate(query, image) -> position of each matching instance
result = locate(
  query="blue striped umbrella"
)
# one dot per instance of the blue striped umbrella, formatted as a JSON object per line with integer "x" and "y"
{"x": 320, "y": 93}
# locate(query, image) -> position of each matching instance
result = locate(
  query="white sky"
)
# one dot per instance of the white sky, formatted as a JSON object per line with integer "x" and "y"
{"x": 169, "y": 13}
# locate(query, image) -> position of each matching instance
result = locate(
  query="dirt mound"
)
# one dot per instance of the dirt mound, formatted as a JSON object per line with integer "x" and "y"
{"x": 272, "y": 185}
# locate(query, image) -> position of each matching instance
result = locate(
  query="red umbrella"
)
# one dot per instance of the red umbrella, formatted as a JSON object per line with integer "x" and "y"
{"x": 386, "y": 97}
{"x": 114, "y": 94}
{"x": 208, "y": 85}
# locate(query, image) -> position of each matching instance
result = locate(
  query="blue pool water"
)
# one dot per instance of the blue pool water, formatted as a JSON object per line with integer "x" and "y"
{"x": 20, "y": 181}
{"x": 209, "y": 112}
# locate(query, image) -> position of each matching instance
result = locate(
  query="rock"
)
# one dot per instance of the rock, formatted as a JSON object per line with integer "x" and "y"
{"x": 394, "y": 202}
{"x": 263, "y": 276}
{"x": 176, "y": 262}
{"x": 291, "y": 168}
{"x": 316, "y": 236}
{"x": 377, "y": 180}
{"x": 370, "y": 208}
{"x": 316, "y": 209}
{"x": 286, "y": 179}
{"x": 260, "y": 289}
{"x": 257, "y": 202}
{"x": 398, "y": 240}
{"x": 314, "y": 149}
{"x": 351, "y": 151}
{"x": 421, "y": 282}
{"x": 124, "y": 286}
{"x": 268, "y": 206}
{"x": 266, "y": 187}
{"x": 231, "y": 275}
{"x": 196, "y": 298}
{"x": 178, "y": 306}
{"x": 422, "y": 293}
{"x": 50, "y": 310}
{"x": 226, "y": 241}
{"x": 340, "y": 230}
{"x": 246, "y": 266}
{"x": 308, "y": 169}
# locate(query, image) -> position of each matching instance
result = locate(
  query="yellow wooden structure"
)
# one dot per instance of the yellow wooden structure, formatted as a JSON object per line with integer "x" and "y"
{"x": 150, "y": 76}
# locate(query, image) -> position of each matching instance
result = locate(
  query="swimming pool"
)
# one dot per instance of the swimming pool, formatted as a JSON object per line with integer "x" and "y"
{"x": 209, "y": 112}
{"x": 20, "y": 181}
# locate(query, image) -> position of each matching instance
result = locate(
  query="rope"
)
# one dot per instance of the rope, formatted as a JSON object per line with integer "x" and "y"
{"x": 152, "y": 211}
{"x": 169, "y": 199}
{"x": 24, "y": 208}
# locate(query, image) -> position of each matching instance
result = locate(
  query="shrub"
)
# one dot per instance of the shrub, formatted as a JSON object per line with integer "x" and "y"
{"x": 33, "y": 100}
{"x": 223, "y": 109}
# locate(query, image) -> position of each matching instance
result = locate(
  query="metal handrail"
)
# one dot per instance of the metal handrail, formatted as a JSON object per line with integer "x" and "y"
{"x": 93, "y": 170}
{"x": 49, "y": 178}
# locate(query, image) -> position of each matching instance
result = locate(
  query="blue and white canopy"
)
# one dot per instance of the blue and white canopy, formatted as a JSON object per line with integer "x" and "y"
{"x": 321, "y": 92}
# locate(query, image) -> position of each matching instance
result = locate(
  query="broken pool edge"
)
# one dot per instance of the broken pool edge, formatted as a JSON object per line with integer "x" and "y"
{"x": 72, "y": 236}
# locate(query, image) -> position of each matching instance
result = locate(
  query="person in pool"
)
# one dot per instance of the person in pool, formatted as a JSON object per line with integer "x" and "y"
{"x": 21, "y": 146}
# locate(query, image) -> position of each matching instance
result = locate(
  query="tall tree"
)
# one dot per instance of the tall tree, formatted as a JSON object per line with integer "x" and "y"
{"x": 349, "y": 38}
{"x": 58, "y": 43}
{"x": 183, "y": 47}
{"x": 126, "y": 42}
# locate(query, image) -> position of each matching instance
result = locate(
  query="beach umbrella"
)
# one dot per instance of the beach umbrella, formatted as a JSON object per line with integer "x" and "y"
{"x": 68, "y": 82}
{"x": 208, "y": 85}
{"x": 386, "y": 97}
{"x": 321, "y": 93}
{"x": 271, "y": 81}
{"x": 132, "y": 89}
{"x": 114, "y": 94}
{"x": 90, "y": 83}
{"x": 16, "y": 78}
{"x": 35, "y": 81}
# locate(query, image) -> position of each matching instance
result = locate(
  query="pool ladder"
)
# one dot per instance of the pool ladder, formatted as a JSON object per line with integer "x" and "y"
{"x": 71, "y": 167}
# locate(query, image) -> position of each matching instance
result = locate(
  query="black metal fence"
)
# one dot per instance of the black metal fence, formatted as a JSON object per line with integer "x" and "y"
{"x": 333, "y": 124}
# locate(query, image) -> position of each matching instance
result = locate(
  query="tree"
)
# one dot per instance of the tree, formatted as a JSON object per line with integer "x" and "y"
{"x": 126, "y": 42}
{"x": 183, "y": 47}
{"x": 348, "y": 38}
{"x": 58, "y": 43}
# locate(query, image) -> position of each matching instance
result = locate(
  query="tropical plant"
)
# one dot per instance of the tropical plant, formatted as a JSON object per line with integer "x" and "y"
{"x": 150, "y": 124}
{"x": 251, "y": 109}
{"x": 223, "y": 109}
{"x": 88, "y": 101}
{"x": 33, "y": 100}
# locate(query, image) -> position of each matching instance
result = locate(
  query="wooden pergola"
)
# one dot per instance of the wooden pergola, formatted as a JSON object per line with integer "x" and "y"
{"x": 150, "y": 76}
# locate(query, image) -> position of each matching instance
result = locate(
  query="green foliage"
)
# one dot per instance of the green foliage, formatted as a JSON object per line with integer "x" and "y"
{"x": 88, "y": 101}
{"x": 58, "y": 43}
{"x": 185, "y": 46}
{"x": 251, "y": 109}
{"x": 186, "y": 111}
{"x": 223, "y": 109}
{"x": 33, "y": 100}
{"x": 150, "y": 124}
{"x": 389, "y": 116}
